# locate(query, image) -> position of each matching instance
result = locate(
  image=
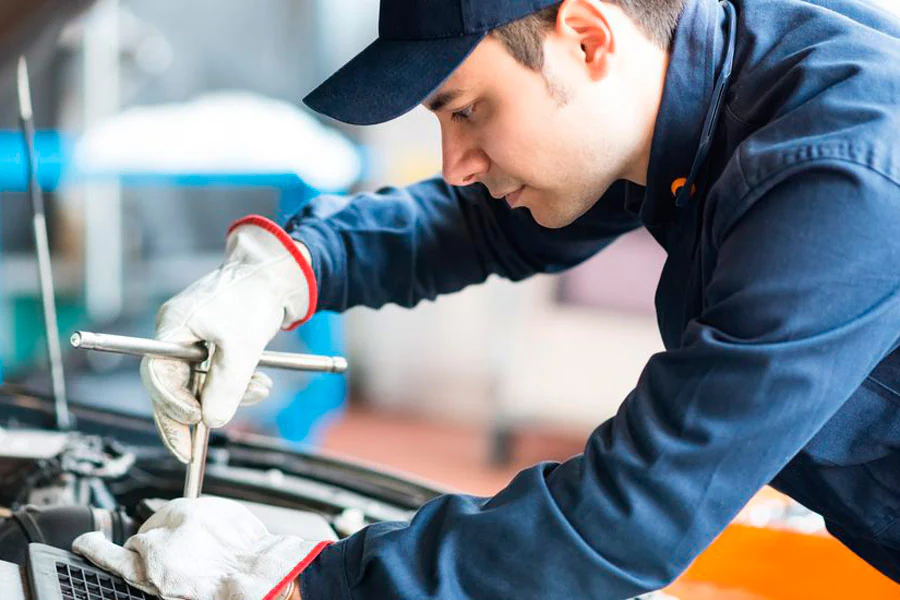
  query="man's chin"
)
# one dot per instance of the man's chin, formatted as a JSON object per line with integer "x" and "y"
{"x": 556, "y": 215}
{"x": 549, "y": 221}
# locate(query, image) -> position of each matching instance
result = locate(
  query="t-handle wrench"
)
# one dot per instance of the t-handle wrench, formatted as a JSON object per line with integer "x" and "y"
{"x": 199, "y": 356}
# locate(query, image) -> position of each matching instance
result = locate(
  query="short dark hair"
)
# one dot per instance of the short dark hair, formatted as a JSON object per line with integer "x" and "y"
{"x": 524, "y": 38}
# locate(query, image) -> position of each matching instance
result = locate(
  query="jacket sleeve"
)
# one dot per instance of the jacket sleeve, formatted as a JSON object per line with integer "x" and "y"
{"x": 803, "y": 302}
{"x": 403, "y": 245}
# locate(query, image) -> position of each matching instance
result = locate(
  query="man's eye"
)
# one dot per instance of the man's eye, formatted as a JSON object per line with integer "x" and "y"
{"x": 462, "y": 114}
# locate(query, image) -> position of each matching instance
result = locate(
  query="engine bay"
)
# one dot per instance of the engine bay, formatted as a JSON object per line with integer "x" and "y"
{"x": 110, "y": 473}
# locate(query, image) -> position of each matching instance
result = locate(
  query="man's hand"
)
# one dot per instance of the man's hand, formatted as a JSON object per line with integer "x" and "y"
{"x": 204, "y": 549}
{"x": 265, "y": 283}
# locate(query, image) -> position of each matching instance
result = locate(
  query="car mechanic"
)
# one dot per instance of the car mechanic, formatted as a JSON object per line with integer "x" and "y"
{"x": 758, "y": 141}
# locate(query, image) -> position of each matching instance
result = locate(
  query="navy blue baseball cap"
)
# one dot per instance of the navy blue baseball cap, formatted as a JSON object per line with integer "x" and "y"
{"x": 420, "y": 43}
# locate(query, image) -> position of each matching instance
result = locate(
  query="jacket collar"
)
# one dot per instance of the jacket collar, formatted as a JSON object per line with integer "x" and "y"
{"x": 694, "y": 60}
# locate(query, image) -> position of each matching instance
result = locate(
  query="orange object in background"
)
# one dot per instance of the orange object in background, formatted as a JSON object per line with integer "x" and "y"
{"x": 757, "y": 563}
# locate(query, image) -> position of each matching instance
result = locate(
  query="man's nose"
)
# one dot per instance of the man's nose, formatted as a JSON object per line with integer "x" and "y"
{"x": 463, "y": 162}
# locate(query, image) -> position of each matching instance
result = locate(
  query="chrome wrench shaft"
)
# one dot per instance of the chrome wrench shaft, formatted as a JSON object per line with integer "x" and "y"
{"x": 196, "y": 467}
{"x": 121, "y": 344}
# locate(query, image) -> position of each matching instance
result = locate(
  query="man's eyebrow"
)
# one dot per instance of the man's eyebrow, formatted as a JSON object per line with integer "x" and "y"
{"x": 442, "y": 99}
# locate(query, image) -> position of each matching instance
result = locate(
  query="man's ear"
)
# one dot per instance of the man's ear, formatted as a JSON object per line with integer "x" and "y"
{"x": 584, "y": 23}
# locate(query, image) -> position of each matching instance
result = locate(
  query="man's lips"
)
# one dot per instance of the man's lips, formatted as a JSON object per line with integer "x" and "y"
{"x": 513, "y": 197}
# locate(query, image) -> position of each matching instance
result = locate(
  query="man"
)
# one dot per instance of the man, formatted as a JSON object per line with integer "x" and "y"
{"x": 758, "y": 142}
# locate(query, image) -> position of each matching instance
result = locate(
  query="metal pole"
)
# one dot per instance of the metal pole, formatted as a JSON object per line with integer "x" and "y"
{"x": 45, "y": 272}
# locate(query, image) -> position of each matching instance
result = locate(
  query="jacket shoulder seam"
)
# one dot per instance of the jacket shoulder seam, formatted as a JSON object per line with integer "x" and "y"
{"x": 767, "y": 180}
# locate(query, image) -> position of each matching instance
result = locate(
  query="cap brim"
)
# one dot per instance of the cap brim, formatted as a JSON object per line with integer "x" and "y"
{"x": 389, "y": 78}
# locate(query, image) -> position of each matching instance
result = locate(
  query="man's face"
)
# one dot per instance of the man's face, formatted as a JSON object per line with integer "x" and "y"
{"x": 551, "y": 141}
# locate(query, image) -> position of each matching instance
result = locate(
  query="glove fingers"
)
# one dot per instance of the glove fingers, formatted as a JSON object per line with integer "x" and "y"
{"x": 175, "y": 435}
{"x": 258, "y": 389}
{"x": 167, "y": 382}
{"x": 229, "y": 376}
{"x": 115, "y": 559}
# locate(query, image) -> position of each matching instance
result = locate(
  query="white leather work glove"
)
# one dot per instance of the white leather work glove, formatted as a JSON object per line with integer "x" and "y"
{"x": 205, "y": 548}
{"x": 265, "y": 283}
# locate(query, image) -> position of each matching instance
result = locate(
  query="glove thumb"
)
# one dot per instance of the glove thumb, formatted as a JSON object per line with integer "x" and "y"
{"x": 227, "y": 382}
{"x": 258, "y": 389}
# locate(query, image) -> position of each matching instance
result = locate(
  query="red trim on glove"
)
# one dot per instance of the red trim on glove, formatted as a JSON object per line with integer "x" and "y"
{"x": 291, "y": 247}
{"x": 295, "y": 572}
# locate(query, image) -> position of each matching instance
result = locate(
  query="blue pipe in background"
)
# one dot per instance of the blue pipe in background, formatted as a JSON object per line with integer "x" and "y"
{"x": 54, "y": 152}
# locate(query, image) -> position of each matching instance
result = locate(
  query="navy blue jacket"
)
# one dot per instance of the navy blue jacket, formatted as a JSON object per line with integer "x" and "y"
{"x": 779, "y": 307}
